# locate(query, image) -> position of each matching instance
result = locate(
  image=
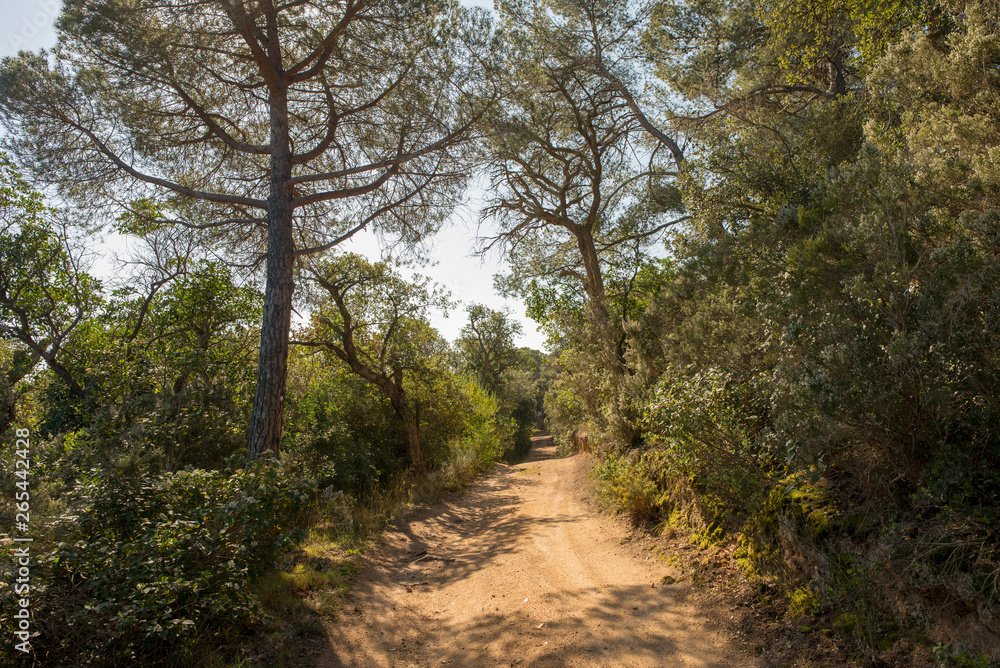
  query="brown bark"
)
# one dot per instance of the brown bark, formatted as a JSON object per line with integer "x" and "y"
{"x": 272, "y": 369}
{"x": 593, "y": 283}
{"x": 59, "y": 370}
{"x": 837, "y": 81}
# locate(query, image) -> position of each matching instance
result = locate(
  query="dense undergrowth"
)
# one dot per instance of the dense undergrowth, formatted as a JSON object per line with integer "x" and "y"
{"x": 151, "y": 567}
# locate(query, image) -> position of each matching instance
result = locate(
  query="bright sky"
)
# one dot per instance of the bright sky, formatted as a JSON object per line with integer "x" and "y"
{"x": 27, "y": 25}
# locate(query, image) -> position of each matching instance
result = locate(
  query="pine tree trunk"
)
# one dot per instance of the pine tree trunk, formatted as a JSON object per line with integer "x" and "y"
{"x": 269, "y": 400}
{"x": 594, "y": 287}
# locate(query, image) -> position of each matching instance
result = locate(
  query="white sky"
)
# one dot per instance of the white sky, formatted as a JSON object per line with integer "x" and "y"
{"x": 27, "y": 25}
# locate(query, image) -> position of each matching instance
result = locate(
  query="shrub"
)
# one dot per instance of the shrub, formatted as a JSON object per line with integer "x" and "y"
{"x": 622, "y": 481}
{"x": 340, "y": 429}
{"x": 154, "y": 563}
{"x": 482, "y": 437}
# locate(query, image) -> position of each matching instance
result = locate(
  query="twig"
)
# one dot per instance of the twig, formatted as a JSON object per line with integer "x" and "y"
{"x": 432, "y": 558}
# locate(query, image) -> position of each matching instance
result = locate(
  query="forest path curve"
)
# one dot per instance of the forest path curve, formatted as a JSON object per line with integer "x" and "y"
{"x": 519, "y": 570}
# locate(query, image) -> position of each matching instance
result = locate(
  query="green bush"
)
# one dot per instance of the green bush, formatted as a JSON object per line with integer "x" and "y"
{"x": 482, "y": 439}
{"x": 339, "y": 430}
{"x": 626, "y": 486}
{"x": 154, "y": 564}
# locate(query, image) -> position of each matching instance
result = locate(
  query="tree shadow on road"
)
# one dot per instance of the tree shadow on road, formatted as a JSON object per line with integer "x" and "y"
{"x": 449, "y": 541}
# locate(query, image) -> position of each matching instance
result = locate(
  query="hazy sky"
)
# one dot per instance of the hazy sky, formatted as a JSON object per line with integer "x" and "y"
{"x": 27, "y": 24}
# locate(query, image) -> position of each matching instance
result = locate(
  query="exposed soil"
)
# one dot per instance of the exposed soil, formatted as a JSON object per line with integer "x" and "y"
{"x": 521, "y": 570}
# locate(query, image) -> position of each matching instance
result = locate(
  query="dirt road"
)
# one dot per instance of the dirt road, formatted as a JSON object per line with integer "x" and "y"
{"x": 520, "y": 571}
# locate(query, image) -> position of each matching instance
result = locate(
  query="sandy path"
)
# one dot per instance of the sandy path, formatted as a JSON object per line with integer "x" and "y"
{"x": 519, "y": 571}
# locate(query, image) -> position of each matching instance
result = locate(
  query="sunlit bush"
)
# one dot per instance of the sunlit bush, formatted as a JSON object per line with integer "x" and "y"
{"x": 153, "y": 564}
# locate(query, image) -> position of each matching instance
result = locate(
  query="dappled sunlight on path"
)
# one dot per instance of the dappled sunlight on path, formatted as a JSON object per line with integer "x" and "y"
{"x": 519, "y": 571}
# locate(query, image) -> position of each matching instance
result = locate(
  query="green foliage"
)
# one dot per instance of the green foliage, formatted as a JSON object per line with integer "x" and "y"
{"x": 482, "y": 438}
{"x": 386, "y": 312}
{"x": 486, "y": 345}
{"x": 167, "y": 376}
{"x": 391, "y": 393}
{"x": 45, "y": 298}
{"x": 453, "y": 407}
{"x": 817, "y": 360}
{"x": 155, "y": 564}
{"x": 573, "y": 399}
{"x": 957, "y": 656}
{"x": 198, "y": 366}
{"x": 518, "y": 402}
{"x": 803, "y": 602}
{"x": 706, "y": 417}
{"x": 624, "y": 484}
{"x": 784, "y": 528}
{"x": 340, "y": 430}
{"x": 512, "y": 375}
{"x": 374, "y": 321}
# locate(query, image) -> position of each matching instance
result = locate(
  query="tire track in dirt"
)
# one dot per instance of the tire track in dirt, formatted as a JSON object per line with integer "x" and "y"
{"x": 520, "y": 571}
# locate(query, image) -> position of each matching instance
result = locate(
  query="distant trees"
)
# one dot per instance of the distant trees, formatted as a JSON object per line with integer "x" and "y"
{"x": 284, "y": 128}
{"x": 487, "y": 345}
{"x": 487, "y": 350}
